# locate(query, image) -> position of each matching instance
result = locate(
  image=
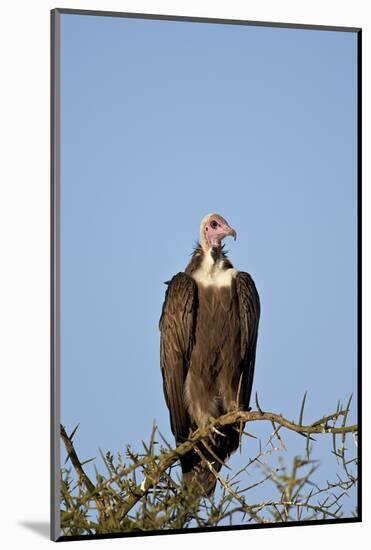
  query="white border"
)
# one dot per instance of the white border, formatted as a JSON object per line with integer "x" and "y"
{"x": 24, "y": 271}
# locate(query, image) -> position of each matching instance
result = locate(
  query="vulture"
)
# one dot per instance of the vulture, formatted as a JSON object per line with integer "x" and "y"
{"x": 208, "y": 336}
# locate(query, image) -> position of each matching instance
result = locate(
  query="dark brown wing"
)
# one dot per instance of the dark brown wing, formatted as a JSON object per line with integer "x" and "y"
{"x": 177, "y": 326}
{"x": 249, "y": 305}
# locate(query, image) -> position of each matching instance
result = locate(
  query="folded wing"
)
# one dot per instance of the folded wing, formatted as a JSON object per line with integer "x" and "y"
{"x": 249, "y": 306}
{"x": 177, "y": 326}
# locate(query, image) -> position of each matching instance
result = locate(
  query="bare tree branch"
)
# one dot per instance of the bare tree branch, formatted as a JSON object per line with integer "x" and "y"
{"x": 162, "y": 501}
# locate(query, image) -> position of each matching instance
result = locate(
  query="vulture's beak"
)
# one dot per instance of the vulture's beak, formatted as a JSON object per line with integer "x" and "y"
{"x": 231, "y": 233}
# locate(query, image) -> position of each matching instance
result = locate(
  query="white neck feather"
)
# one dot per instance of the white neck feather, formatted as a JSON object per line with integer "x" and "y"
{"x": 211, "y": 272}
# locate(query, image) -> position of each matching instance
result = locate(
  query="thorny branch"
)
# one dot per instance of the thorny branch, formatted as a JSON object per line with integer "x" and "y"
{"x": 158, "y": 501}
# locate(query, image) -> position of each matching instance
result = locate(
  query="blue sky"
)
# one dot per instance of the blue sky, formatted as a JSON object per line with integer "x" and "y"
{"x": 163, "y": 122}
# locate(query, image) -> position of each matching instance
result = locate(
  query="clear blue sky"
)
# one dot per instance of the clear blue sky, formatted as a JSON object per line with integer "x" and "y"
{"x": 163, "y": 122}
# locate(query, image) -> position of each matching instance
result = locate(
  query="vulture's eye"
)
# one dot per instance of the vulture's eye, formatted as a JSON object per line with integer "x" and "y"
{"x": 214, "y": 224}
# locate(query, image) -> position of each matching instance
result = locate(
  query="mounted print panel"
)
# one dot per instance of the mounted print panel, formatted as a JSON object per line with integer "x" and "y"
{"x": 205, "y": 302}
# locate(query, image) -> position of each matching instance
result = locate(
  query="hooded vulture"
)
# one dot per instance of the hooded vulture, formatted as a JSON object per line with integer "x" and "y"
{"x": 209, "y": 329}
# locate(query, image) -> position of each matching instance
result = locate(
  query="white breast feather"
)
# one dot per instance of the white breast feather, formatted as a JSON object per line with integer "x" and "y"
{"x": 212, "y": 273}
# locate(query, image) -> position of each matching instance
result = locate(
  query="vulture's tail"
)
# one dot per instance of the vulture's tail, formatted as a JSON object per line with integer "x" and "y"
{"x": 199, "y": 468}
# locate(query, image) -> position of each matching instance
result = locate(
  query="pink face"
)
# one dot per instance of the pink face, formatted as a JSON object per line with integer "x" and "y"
{"x": 215, "y": 229}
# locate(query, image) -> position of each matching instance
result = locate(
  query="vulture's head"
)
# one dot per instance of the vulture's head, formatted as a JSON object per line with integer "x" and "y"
{"x": 213, "y": 229}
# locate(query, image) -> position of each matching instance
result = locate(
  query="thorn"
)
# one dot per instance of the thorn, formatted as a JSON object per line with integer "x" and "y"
{"x": 218, "y": 432}
{"x": 302, "y": 410}
{"x": 257, "y": 403}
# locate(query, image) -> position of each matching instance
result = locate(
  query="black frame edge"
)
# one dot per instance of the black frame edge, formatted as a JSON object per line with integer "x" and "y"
{"x": 197, "y": 19}
{"x": 54, "y": 274}
{"x": 194, "y": 530}
{"x": 359, "y": 266}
